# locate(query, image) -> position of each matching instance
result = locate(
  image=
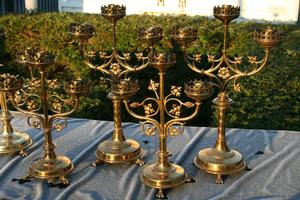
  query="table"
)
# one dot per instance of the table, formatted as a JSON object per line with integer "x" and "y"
{"x": 273, "y": 156}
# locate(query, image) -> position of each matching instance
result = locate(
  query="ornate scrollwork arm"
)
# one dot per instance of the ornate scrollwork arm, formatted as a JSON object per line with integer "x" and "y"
{"x": 149, "y": 109}
{"x": 175, "y": 110}
{"x": 59, "y": 123}
{"x": 107, "y": 60}
{"x": 174, "y": 131}
{"x": 56, "y": 103}
{"x": 149, "y": 128}
{"x": 259, "y": 65}
{"x": 35, "y": 122}
{"x": 56, "y": 116}
{"x": 147, "y": 119}
{"x": 39, "y": 119}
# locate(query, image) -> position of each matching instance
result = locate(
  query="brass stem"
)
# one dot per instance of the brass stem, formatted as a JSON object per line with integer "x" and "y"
{"x": 222, "y": 105}
{"x": 225, "y": 39}
{"x": 114, "y": 34}
{"x": 6, "y": 116}
{"x": 48, "y": 143}
{"x": 163, "y": 154}
{"x": 118, "y": 133}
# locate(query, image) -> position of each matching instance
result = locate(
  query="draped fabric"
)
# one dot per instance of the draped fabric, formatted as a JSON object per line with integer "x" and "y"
{"x": 273, "y": 156}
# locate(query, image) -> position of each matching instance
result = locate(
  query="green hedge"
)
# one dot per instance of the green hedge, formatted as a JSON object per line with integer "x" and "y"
{"x": 270, "y": 100}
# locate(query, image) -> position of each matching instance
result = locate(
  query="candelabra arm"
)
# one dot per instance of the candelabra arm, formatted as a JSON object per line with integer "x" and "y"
{"x": 239, "y": 73}
{"x": 191, "y": 65}
{"x": 208, "y": 72}
{"x": 30, "y": 113}
{"x": 99, "y": 68}
{"x": 140, "y": 117}
{"x": 183, "y": 119}
{"x": 263, "y": 63}
{"x": 144, "y": 65}
{"x": 128, "y": 68}
{"x": 65, "y": 114}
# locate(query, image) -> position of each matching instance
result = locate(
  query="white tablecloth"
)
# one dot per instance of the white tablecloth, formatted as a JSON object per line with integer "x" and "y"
{"x": 273, "y": 156}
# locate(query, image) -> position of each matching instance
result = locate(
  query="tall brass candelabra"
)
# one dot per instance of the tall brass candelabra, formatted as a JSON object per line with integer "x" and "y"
{"x": 41, "y": 95}
{"x": 163, "y": 174}
{"x": 219, "y": 159}
{"x": 11, "y": 141}
{"x": 116, "y": 66}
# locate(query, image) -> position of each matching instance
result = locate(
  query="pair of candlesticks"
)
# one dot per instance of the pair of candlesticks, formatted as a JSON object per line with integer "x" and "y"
{"x": 219, "y": 159}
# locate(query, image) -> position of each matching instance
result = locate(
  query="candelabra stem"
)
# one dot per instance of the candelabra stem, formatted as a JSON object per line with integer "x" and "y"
{"x": 6, "y": 116}
{"x": 48, "y": 143}
{"x": 220, "y": 160}
{"x": 222, "y": 105}
{"x": 11, "y": 141}
{"x": 49, "y": 146}
{"x": 44, "y": 97}
{"x": 163, "y": 154}
{"x": 118, "y": 133}
{"x": 118, "y": 149}
{"x": 225, "y": 39}
{"x": 114, "y": 34}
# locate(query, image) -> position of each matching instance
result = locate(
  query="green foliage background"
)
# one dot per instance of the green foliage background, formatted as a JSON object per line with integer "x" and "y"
{"x": 270, "y": 100}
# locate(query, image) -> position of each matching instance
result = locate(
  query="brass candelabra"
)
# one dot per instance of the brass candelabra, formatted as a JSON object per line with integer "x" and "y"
{"x": 41, "y": 95}
{"x": 163, "y": 174}
{"x": 116, "y": 66}
{"x": 11, "y": 141}
{"x": 219, "y": 159}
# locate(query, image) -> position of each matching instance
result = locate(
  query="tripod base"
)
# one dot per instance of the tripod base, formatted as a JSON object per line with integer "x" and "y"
{"x": 111, "y": 151}
{"x": 16, "y": 142}
{"x": 219, "y": 163}
{"x": 51, "y": 170}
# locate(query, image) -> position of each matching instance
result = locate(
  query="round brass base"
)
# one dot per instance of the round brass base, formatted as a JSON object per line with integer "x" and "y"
{"x": 15, "y": 143}
{"x": 156, "y": 176}
{"x": 111, "y": 151}
{"x": 220, "y": 163}
{"x": 51, "y": 168}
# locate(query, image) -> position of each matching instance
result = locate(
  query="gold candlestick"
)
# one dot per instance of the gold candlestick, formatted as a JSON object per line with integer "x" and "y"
{"x": 117, "y": 149}
{"x": 41, "y": 97}
{"x": 11, "y": 141}
{"x": 221, "y": 160}
{"x": 163, "y": 174}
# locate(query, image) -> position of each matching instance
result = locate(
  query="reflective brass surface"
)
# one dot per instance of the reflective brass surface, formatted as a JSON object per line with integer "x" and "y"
{"x": 39, "y": 97}
{"x": 11, "y": 141}
{"x": 117, "y": 152}
{"x": 219, "y": 159}
{"x": 116, "y": 66}
{"x": 156, "y": 176}
{"x": 163, "y": 174}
